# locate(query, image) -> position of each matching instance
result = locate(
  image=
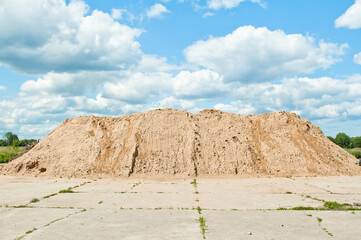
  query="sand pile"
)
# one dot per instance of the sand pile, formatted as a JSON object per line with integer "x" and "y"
{"x": 172, "y": 142}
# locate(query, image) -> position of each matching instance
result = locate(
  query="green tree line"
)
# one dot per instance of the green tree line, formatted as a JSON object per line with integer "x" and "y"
{"x": 344, "y": 141}
{"x": 11, "y": 139}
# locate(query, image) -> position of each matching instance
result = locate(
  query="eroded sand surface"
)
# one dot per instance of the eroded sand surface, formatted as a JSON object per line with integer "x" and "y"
{"x": 133, "y": 208}
{"x": 171, "y": 143}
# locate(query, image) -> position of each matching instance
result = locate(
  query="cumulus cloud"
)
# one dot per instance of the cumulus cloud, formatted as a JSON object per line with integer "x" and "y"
{"x": 157, "y": 11}
{"x": 351, "y": 18}
{"x": 63, "y": 38}
{"x": 199, "y": 84}
{"x": 257, "y": 54}
{"x": 314, "y": 98}
{"x": 218, "y": 4}
{"x": 117, "y": 13}
{"x": 138, "y": 88}
{"x": 357, "y": 58}
{"x": 2, "y": 88}
{"x": 236, "y": 107}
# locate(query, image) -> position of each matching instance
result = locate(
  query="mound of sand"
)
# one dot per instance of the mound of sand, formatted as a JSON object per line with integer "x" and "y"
{"x": 172, "y": 142}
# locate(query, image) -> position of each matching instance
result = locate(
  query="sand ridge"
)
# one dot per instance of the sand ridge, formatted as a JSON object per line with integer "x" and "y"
{"x": 172, "y": 142}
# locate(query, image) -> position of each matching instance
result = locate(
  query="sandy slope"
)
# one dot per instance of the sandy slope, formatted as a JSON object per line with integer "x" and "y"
{"x": 172, "y": 142}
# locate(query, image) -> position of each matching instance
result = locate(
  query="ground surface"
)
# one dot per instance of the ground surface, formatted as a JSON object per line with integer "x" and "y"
{"x": 246, "y": 208}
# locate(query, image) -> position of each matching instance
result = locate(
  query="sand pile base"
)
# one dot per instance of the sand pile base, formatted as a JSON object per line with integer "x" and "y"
{"x": 172, "y": 142}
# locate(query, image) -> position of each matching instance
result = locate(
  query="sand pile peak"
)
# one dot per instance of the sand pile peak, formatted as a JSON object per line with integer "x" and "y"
{"x": 174, "y": 142}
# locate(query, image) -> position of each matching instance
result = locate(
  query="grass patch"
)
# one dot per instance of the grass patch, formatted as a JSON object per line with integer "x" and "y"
{"x": 353, "y": 209}
{"x": 336, "y": 205}
{"x": 319, "y": 220}
{"x": 288, "y": 192}
{"x": 356, "y": 153}
{"x": 303, "y": 208}
{"x": 100, "y": 202}
{"x": 8, "y": 153}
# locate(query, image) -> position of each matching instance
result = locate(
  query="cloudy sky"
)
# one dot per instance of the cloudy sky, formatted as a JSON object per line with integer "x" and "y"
{"x": 61, "y": 59}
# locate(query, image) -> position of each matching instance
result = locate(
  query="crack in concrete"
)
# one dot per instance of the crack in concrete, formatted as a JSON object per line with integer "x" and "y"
{"x": 48, "y": 224}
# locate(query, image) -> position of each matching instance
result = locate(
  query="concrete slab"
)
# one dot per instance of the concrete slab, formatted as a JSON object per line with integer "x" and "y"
{"x": 340, "y": 198}
{"x": 17, "y": 222}
{"x": 21, "y": 190}
{"x": 342, "y": 225}
{"x": 124, "y": 224}
{"x": 107, "y": 186}
{"x": 338, "y": 185}
{"x": 75, "y": 200}
{"x": 233, "y": 200}
{"x": 262, "y": 225}
{"x": 163, "y": 209}
{"x": 153, "y": 200}
{"x": 175, "y": 186}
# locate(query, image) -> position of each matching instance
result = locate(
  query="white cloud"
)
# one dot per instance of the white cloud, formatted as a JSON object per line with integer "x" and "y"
{"x": 208, "y": 14}
{"x": 199, "y": 84}
{"x": 351, "y": 18}
{"x": 138, "y": 88}
{"x": 172, "y": 102}
{"x": 257, "y": 54}
{"x": 357, "y": 58}
{"x": 314, "y": 98}
{"x": 2, "y": 88}
{"x": 48, "y": 35}
{"x": 117, "y": 14}
{"x": 236, "y": 107}
{"x": 157, "y": 11}
{"x": 218, "y": 4}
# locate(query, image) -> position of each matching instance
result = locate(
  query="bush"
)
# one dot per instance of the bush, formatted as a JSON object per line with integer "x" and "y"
{"x": 356, "y": 142}
{"x": 343, "y": 140}
{"x": 357, "y": 154}
{"x": 5, "y": 156}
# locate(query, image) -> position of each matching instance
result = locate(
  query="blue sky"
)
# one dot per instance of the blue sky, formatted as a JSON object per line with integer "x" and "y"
{"x": 61, "y": 59}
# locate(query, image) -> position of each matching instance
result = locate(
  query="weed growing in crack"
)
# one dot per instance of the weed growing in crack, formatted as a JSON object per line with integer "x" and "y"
{"x": 199, "y": 210}
{"x": 66, "y": 191}
{"x": 30, "y": 231}
{"x": 34, "y": 200}
{"x": 194, "y": 182}
{"x": 203, "y": 226}
{"x": 51, "y": 195}
{"x": 336, "y": 205}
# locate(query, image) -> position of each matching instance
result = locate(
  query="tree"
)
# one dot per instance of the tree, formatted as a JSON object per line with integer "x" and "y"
{"x": 343, "y": 140}
{"x": 356, "y": 142}
{"x": 10, "y": 138}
